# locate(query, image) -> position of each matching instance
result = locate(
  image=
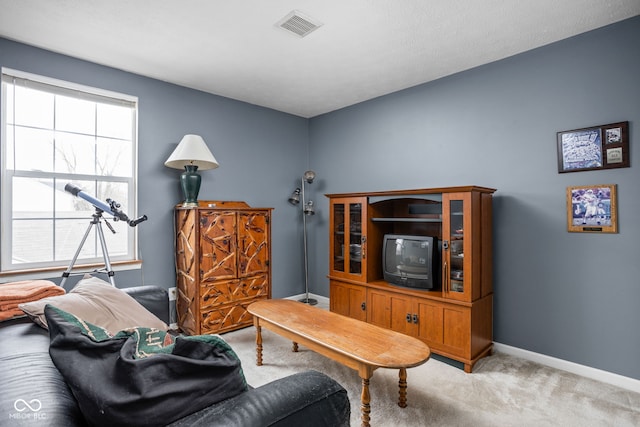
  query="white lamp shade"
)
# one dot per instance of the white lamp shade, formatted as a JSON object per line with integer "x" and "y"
{"x": 192, "y": 150}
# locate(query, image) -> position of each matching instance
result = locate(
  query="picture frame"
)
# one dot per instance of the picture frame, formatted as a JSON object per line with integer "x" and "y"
{"x": 592, "y": 209}
{"x": 594, "y": 148}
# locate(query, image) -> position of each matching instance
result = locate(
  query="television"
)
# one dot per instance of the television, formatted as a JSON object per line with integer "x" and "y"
{"x": 411, "y": 261}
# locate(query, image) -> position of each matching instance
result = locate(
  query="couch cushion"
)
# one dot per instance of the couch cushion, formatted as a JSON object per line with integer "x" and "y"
{"x": 140, "y": 376}
{"x": 99, "y": 303}
{"x": 32, "y": 391}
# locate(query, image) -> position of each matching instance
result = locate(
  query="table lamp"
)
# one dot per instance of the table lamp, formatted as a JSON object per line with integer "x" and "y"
{"x": 192, "y": 153}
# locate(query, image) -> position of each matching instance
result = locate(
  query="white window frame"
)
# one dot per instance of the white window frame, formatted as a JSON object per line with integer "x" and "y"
{"x": 44, "y": 269}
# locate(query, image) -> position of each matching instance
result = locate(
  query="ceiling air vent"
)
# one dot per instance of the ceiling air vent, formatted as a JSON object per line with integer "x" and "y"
{"x": 298, "y": 23}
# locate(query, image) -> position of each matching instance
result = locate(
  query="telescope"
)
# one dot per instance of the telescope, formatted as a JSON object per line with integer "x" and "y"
{"x": 112, "y": 208}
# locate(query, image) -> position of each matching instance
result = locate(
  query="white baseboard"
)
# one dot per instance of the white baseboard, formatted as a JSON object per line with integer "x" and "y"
{"x": 621, "y": 381}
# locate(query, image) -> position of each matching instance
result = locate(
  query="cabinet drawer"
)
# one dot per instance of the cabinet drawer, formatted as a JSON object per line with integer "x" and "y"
{"x": 229, "y": 291}
{"x": 225, "y": 318}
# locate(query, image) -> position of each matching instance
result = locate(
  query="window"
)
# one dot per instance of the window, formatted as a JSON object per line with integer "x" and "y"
{"x": 55, "y": 133}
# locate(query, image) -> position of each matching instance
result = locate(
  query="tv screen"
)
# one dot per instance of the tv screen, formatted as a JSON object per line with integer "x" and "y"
{"x": 411, "y": 261}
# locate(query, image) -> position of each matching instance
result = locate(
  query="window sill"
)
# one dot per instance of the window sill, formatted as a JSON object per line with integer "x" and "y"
{"x": 54, "y": 272}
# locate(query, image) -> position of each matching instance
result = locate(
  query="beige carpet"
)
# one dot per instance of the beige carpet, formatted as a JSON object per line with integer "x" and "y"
{"x": 502, "y": 391}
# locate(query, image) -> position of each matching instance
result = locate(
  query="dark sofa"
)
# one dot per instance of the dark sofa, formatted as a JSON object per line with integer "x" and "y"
{"x": 33, "y": 393}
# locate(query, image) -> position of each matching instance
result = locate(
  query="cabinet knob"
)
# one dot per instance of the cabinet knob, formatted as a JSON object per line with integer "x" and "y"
{"x": 415, "y": 319}
{"x": 408, "y": 317}
{"x": 363, "y": 306}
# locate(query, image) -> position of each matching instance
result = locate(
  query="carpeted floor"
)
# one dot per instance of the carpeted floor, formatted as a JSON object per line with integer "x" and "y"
{"x": 502, "y": 391}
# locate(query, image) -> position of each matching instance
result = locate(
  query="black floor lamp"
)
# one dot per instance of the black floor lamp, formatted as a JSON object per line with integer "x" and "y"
{"x": 307, "y": 209}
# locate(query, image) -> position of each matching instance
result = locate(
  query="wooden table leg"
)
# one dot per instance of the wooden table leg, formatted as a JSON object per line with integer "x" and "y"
{"x": 402, "y": 401}
{"x": 256, "y": 323}
{"x": 365, "y": 372}
{"x": 366, "y": 400}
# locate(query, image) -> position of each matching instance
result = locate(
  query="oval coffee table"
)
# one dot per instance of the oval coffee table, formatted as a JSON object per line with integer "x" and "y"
{"x": 353, "y": 343}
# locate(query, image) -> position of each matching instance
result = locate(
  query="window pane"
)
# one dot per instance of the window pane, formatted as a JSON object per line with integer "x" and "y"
{"x": 114, "y": 121}
{"x": 33, "y": 108}
{"x": 75, "y": 115}
{"x": 28, "y": 143}
{"x": 8, "y": 91}
{"x": 117, "y": 192}
{"x": 114, "y": 157}
{"x": 69, "y": 235}
{"x": 9, "y": 138}
{"x": 116, "y": 242}
{"x": 32, "y": 241}
{"x": 32, "y": 198}
{"x": 75, "y": 153}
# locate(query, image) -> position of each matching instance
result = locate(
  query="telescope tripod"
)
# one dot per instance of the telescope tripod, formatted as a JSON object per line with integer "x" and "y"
{"x": 96, "y": 221}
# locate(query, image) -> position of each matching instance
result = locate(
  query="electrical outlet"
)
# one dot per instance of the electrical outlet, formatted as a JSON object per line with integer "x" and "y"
{"x": 173, "y": 294}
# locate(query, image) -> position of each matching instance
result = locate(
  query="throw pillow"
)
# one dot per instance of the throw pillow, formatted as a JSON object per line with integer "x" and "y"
{"x": 99, "y": 303}
{"x": 140, "y": 376}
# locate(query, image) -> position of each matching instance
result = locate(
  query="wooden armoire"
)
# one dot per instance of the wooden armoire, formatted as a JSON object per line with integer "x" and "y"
{"x": 223, "y": 252}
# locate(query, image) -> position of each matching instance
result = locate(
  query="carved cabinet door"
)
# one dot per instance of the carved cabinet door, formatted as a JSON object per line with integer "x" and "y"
{"x": 218, "y": 251}
{"x": 253, "y": 243}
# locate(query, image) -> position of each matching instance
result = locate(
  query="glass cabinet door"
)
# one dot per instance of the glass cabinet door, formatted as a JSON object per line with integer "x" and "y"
{"x": 457, "y": 246}
{"x": 339, "y": 238}
{"x": 348, "y": 246}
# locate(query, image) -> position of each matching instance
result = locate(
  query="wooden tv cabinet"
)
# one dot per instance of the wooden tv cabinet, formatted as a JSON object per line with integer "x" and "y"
{"x": 455, "y": 318}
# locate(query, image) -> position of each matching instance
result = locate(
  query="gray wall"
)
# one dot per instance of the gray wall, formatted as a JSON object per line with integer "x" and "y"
{"x": 262, "y": 154}
{"x": 574, "y": 296}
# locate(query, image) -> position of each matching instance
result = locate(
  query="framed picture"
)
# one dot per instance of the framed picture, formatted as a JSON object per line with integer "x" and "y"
{"x": 592, "y": 209}
{"x": 598, "y": 147}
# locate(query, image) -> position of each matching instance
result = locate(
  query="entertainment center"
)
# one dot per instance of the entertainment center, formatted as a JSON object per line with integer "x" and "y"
{"x": 434, "y": 247}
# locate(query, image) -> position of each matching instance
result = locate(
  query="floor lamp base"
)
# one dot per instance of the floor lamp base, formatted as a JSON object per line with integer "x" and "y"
{"x": 309, "y": 301}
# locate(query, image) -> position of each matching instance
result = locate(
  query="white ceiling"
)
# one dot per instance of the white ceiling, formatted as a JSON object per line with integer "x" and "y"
{"x": 364, "y": 49}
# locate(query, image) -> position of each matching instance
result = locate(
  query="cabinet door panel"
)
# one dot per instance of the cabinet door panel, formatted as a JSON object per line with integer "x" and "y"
{"x": 457, "y": 330}
{"x": 348, "y": 300}
{"x": 348, "y": 242}
{"x": 253, "y": 249}
{"x": 430, "y": 325}
{"x": 357, "y": 303}
{"x": 378, "y": 309}
{"x": 339, "y": 299}
{"x": 458, "y": 231}
{"x": 217, "y": 245}
{"x": 402, "y": 314}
